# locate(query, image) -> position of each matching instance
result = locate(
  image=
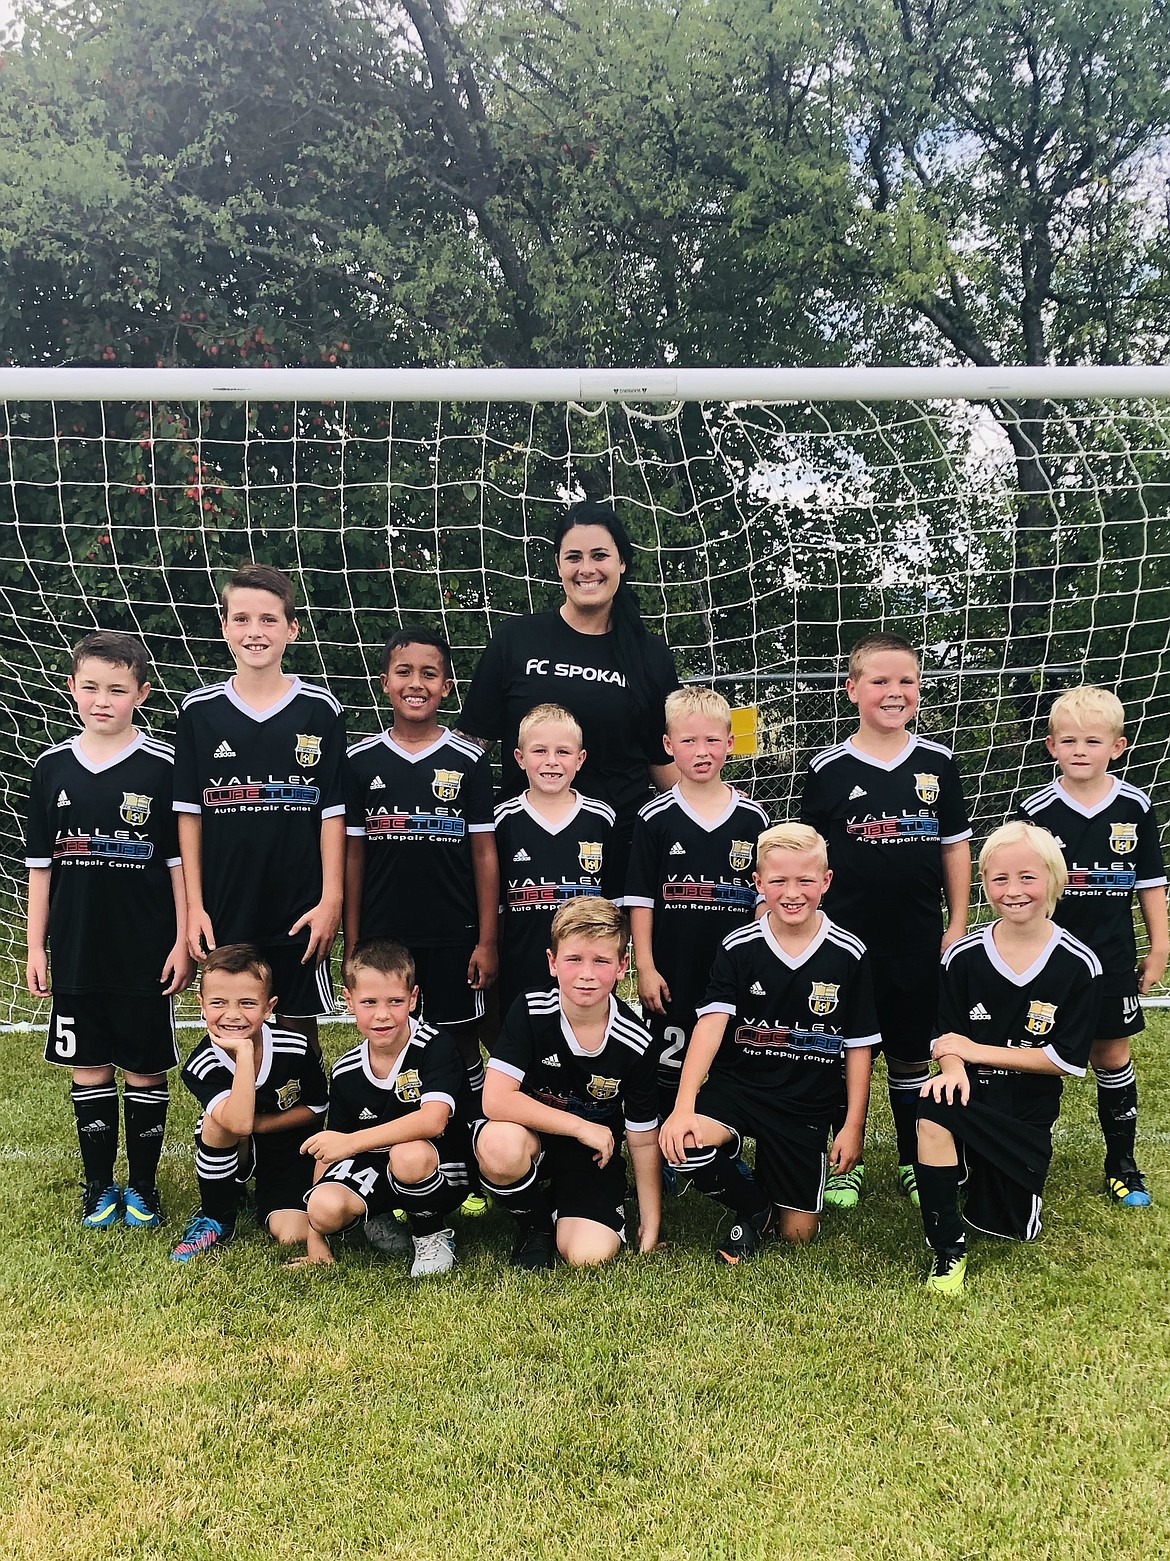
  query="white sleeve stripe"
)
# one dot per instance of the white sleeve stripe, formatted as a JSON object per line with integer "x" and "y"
{"x": 186, "y": 807}
{"x": 636, "y": 899}
{"x": 717, "y": 1008}
{"x": 507, "y": 1069}
{"x": 641, "y": 1127}
{"x": 1150, "y": 883}
{"x": 337, "y": 811}
{"x": 950, "y": 840}
{"x": 863, "y": 1040}
{"x": 438, "y": 1094}
{"x": 38, "y": 861}
{"x": 481, "y": 829}
{"x": 1064, "y": 1065}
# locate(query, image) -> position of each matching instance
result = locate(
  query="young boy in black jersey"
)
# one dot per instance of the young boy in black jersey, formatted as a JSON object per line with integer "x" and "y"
{"x": 398, "y": 1132}
{"x": 569, "y": 1070}
{"x": 890, "y": 804}
{"x": 544, "y": 861}
{"x": 262, "y": 1090}
{"x": 1017, "y": 1013}
{"x": 106, "y": 900}
{"x": 421, "y": 865}
{"x": 1109, "y": 836}
{"x": 689, "y": 881}
{"x": 258, "y": 791}
{"x": 797, "y": 992}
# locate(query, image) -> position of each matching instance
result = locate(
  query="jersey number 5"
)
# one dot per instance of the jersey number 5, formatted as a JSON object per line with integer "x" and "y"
{"x": 66, "y": 1042}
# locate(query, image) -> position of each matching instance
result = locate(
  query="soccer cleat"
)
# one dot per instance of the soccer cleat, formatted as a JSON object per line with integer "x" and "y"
{"x": 200, "y": 1234}
{"x": 141, "y": 1208}
{"x": 744, "y": 1238}
{"x": 949, "y": 1273}
{"x": 908, "y": 1184}
{"x": 101, "y": 1206}
{"x": 433, "y": 1254}
{"x": 534, "y": 1249}
{"x": 842, "y": 1192}
{"x": 386, "y": 1235}
{"x": 474, "y": 1206}
{"x": 1128, "y": 1188}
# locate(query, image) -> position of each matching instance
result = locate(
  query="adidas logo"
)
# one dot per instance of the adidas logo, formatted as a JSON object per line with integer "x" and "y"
{"x": 224, "y": 751}
{"x": 1059, "y": 841}
{"x": 63, "y": 799}
{"x": 676, "y": 850}
{"x": 979, "y": 1012}
{"x": 858, "y": 791}
{"x": 551, "y": 1062}
{"x": 522, "y": 856}
{"x": 757, "y": 990}
{"x": 152, "y": 1132}
{"x": 366, "y": 1115}
{"x": 96, "y": 1127}
{"x": 377, "y": 784}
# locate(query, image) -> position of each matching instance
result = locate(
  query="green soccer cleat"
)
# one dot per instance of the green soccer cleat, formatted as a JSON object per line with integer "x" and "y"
{"x": 949, "y": 1273}
{"x": 842, "y": 1192}
{"x": 101, "y": 1207}
{"x": 908, "y": 1184}
{"x": 474, "y": 1206}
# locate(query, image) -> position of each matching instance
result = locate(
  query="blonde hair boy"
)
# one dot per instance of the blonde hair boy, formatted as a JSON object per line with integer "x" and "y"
{"x": 1043, "y": 842}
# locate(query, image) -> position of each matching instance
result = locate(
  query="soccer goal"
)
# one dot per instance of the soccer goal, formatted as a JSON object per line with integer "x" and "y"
{"x": 1015, "y": 523}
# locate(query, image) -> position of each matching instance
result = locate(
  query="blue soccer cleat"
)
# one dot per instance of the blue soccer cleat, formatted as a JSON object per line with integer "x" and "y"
{"x": 101, "y": 1206}
{"x": 141, "y": 1208}
{"x": 200, "y": 1234}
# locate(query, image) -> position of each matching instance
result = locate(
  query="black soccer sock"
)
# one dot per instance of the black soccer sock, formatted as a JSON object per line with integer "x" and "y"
{"x": 905, "y": 1089}
{"x": 1117, "y": 1107}
{"x": 525, "y": 1198}
{"x": 715, "y": 1173}
{"x": 938, "y": 1193}
{"x": 429, "y": 1204}
{"x": 215, "y": 1171}
{"x": 145, "y": 1109}
{"x": 95, "y": 1106}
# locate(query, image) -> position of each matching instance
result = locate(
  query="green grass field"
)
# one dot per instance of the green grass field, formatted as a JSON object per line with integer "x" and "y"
{"x": 815, "y": 1404}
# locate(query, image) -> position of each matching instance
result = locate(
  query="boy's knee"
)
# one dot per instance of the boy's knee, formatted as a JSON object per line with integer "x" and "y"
{"x": 287, "y": 1227}
{"x": 413, "y": 1162}
{"x": 1110, "y": 1055}
{"x": 210, "y": 1133}
{"x": 332, "y": 1209}
{"x": 503, "y": 1151}
{"x": 798, "y": 1226}
{"x": 586, "y": 1249}
{"x": 935, "y": 1145}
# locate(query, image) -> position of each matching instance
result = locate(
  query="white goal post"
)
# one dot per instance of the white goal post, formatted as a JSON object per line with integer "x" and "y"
{"x": 1014, "y": 522}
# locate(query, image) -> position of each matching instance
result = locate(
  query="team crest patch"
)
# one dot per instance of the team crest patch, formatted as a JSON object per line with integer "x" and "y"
{"x": 602, "y": 1088}
{"x": 308, "y": 750}
{"x": 1041, "y": 1018}
{"x": 589, "y": 855}
{"x": 824, "y": 997}
{"x": 288, "y": 1095}
{"x": 135, "y": 808}
{"x": 926, "y": 787}
{"x": 740, "y": 855}
{"x": 408, "y": 1085}
{"x": 446, "y": 784}
{"x": 1123, "y": 839}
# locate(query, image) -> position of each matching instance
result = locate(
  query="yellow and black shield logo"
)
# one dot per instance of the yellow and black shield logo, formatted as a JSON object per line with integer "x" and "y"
{"x": 308, "y": 750}
{"x": 589, "y": 855}
{"x": 135, "y": 808}
{"x": 1123, "y": 839}
{"x": 446, "y": 784}
{"x": 926, "y": 787}
{"x": 740, "y": 855}
{"x": 824, "y": 997}
{"x": 288, "y": 1095}
{"x": 408, "y": 1085}
{"x": 602, "y": 1088}
{"x": 1041, "y": 1017}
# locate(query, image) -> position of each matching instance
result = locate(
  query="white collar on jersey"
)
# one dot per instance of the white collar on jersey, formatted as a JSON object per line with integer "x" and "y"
{"x": 1086, "y": 810}
{"x": 884, "y": 764}
{"x": 571, "y": 1040}
{"x": 1017, "y": 977}
{"x": 708, "y": 825}
{"x": 237, "y": 703}
{"x": 819, "y": 937}
{"x": 107, "y": 764}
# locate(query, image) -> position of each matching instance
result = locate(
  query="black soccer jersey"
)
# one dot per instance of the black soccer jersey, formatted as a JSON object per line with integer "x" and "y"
{"x": 1111, "y": 850}
{"x": 791, "y": 1020}
{"x": 428, "y": 1068}
{"x": 614, "y": 1086}
{"x": 1052, "y": 1005}
{"x": 290, "y": 1074}
{"x": 531, "y": 660}
{"x": 107, "y": 832}
{"x": 261, "y": 782}
{"x": 541, "y": 867}
{"x": 404, "y": 806}
{"x": 886, "y": 822}
{"x": 696, "y": 876}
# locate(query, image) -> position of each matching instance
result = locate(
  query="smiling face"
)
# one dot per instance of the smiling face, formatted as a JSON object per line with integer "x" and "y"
{"x": 381, "y": 1006}
{"x": 885, "y": 691}
{"x": 587, "y": 969}
{"x": 1018, "y": 884}
{"x": 256, "y": 629}
{"x": 106, "y": 696}
{"x": 591, "y": 570}
{"x": 793, "y": 884}
{"x": 416, "y": 683}
{"x": 235, "y": 1006}
{"x": 550, "y": 755}
{"x": 1084, "y": 750}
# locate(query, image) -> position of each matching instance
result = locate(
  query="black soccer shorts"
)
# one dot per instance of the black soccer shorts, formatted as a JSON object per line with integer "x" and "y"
{"x": 444, "y": 995}
{"x": 790, "y": 1152}
{"x": 134, "y": 1032}
{"x": 302, "y": 991}
{"x": 282, "y": 1173}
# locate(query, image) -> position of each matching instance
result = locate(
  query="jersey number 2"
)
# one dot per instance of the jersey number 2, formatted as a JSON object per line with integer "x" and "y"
{"x": 676, "y": 1041}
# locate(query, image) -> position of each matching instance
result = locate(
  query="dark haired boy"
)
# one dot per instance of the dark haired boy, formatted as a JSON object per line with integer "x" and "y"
{"x": 261, "y": 1089}
{"x": 106, "y": 900}
{"x": 260, "y": 798}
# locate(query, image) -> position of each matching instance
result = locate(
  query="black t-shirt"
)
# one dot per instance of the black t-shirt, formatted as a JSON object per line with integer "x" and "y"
{"x": 696, "y": 876}
{"x": 791, "y": 1020}
{"x": 290, "y": 1074}
{"x": 615, "y": 1086}
{"x": 537, "y": 659}
{"x": 542, "y": 867}
{"x": 886, "y": 822}
{"x": 1052, "y": 1006}
{"x": 428, "y": 1068}
{"x": 107, "y": 832}
{"x": 262, "y": 782}
{"x": 417, "y": 813}
{"x": 1111, "y": 850}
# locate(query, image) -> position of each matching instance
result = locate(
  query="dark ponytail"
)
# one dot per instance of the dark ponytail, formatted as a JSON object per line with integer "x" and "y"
{"x": 630, "y": 636}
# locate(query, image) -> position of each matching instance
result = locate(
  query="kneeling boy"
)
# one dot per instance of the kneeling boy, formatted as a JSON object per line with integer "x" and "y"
{"x": 261, "y": 1090}
{"x": 798, "y": 991}
{"x": 569, "y": 1069}
{"x": 398, "y": 1133}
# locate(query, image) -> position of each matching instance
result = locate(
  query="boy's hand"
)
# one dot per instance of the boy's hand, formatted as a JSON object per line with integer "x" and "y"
{"x": 653, "y": 991}
{"x": 1150, "y": 970}
{"x": 952, "y": 1045}
{"x": 951, "y": 1086}
{"x": 36, "y": 973}
{"x": 598, "y": 1138}
{"x": 322, "y": 921}
{"x": 952, "y": 935}
{"x": 178, "y": 970}
{"x": 482, "y": 967}
{"x": 846, "y": 1150}
{"x": 200, "y": 934}
{"x": 680, "y": 1132}
{"x": 326, "y": 1147}
{"x": 648, "y": 1238}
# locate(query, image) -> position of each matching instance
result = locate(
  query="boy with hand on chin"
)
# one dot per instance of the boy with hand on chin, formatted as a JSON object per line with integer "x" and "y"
{"x": 261, "y": 1089}
{"x": 1018, "y": 1013}
{"x": 569, "y": 1070}
{"x": 398, "y": 1133}
{"x": 789, "y": 1001}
